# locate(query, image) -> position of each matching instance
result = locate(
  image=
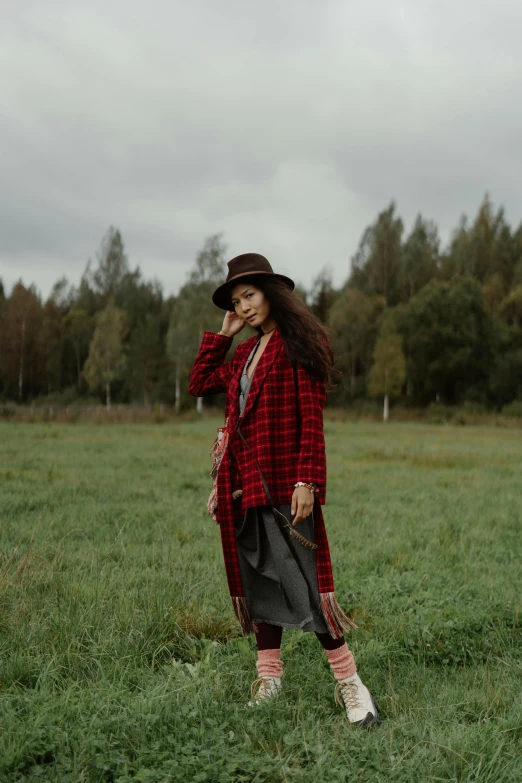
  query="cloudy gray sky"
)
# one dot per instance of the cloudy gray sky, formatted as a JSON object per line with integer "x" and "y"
{"x": 285, "y": 124}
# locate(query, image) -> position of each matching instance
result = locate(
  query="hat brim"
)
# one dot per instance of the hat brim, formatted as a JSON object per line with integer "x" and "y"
{"x": 222, "y": 295}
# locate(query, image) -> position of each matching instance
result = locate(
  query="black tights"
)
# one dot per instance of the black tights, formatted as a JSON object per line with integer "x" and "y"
{"x": 268, "y": 637}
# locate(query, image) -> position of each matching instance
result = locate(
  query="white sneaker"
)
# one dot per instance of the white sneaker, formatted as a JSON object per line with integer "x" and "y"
{"x": 264, "y": 689}
{"x": 359, "y": 703}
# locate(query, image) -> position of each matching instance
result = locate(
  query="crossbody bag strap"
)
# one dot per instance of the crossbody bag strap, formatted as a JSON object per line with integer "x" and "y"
{"x": 291, "y": 529}
{"x": 293, "y": 532}
{"x": 265, "y": 485}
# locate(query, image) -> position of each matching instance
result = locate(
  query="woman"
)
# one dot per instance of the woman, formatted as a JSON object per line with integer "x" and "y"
{"x": 269, "y": 470}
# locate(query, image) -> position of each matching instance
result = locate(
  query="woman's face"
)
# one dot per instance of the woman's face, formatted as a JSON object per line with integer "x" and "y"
{"x": 251, "y": 304}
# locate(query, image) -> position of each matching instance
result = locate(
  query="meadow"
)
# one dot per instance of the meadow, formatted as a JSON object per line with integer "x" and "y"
{"x": 119, "y": 656}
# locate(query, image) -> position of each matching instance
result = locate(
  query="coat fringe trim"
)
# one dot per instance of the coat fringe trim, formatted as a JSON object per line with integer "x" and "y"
{"x": 336, "y": 620}
{"x": 216, "y": 451}
{"x": 243, "y": 615}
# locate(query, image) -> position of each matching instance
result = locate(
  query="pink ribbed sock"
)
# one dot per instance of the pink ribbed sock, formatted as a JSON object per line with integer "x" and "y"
{"x": 341, "y": 662}
{"x": 269, "y": 663}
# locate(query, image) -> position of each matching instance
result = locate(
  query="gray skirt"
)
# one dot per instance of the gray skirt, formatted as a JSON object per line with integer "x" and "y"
{"x": 278, "y": 573}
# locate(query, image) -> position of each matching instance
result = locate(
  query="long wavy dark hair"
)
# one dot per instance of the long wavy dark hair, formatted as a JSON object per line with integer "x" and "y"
{"x": 304, "y": 337}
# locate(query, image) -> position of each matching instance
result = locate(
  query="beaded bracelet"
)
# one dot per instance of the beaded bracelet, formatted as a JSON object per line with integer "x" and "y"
{"x": 311, "y": 487}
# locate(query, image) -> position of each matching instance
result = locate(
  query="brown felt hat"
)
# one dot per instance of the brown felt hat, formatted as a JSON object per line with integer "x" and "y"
{"x": 241, "y": 266}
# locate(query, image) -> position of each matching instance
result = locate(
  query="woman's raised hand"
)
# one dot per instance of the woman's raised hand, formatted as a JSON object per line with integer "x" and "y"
{"x": 232, "y": 324}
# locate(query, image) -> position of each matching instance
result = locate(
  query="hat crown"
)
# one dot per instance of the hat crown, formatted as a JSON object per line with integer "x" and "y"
{"x": 239, "y": 268}
{"x": 248, "y": 262}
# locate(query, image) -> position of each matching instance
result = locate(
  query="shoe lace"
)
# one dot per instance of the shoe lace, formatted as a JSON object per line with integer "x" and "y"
{"x": 350, "y": 694}
{"x": 260, "y": 688}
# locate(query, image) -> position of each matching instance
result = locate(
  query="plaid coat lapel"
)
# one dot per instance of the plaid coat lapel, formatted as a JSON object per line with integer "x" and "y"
{"x": 270, "y": 352}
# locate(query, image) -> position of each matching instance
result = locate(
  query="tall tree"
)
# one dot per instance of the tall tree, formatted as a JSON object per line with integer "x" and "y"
{"x": 484, "y": 249}
{"x": 517, "y": 253}
{"x": 322, "y": 295}
{"x": 420, "y": 258}
{"x": 494, "y": 291}
{"x": 107, "y": 280}
{"x": 20, "y": 340}
{"x": 197, "y": 313}
{"x": 77, "y": 330}
{"x": 85, "y": 298}
{"x": 209, "y": 268}
{"x": 353, "y": 321}
{"x": 106, "y": 361}
{"x": 140, "y": 298}
{"x": 175, "y": 348}
{"x": 376, "y": 265}
{"x": 505, "y": 382}
{"x": 388, "y": 373}
{"x": 511, "y": 308}
{"x": 505, "y": 254}
{"x": 450, "y": 338}
{"x": 54, "y": 311}
{"x": 145, "y": 356}
{"x": 143, "y": 305}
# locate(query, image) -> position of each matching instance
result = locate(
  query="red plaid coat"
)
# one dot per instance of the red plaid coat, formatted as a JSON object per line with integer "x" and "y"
{"x": 279, "y": 406}
{"x": 271, "y": 419}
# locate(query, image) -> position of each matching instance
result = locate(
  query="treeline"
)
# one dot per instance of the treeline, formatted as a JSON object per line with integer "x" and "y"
{"x": 428, "y": 325}
{"x": 412, "y": 322}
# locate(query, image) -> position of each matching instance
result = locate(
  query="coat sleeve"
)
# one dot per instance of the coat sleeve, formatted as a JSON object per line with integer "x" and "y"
{"x": 210, "y": 373}
{"x": 311, "y": 396}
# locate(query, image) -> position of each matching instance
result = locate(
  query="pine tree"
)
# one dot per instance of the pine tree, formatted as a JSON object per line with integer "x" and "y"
{"x": 420, "y": 258}
{"x": 322, "y": 295}
{"x": 77, "y": 329}
{"x": 21, "y": 353}
{"x": 376, "y": 265}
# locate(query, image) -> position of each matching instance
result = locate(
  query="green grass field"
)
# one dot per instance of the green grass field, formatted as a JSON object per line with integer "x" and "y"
{"x": 119, "y": 657}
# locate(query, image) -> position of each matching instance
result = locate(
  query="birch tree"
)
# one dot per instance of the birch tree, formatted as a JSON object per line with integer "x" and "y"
{"x": 106, "y": 361}
{"x": 389, "y": 370}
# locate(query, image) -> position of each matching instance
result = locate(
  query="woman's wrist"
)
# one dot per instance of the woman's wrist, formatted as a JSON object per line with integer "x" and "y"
{"x": 310, "y": 484}
{"x": 223, "y": 334}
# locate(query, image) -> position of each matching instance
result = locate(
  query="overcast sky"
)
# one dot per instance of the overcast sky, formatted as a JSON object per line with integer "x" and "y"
{"x": 285, "y": 124}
